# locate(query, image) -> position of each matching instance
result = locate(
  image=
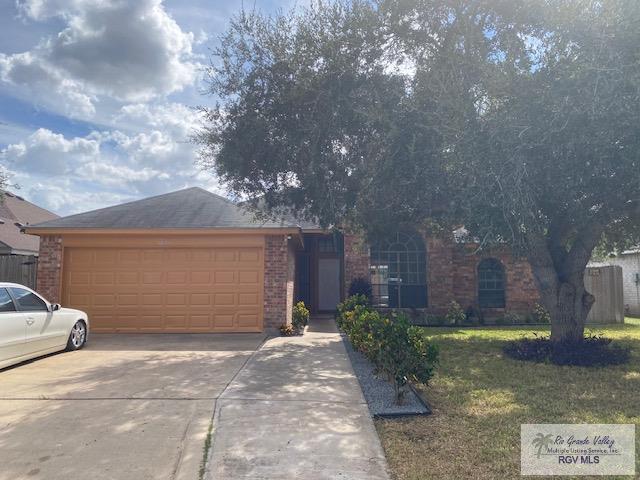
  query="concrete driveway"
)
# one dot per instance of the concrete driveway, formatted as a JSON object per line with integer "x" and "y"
{"x": 126, "y": 407}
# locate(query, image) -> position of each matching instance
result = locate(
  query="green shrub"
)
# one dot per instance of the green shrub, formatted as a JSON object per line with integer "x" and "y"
{"x": 349, "y": 305}
{"x": 400, "y": 352}
{"x": 404, "y": 354}
{"x": 300, "y": 317}
{"x": 540, "y": 314}
{"x": 455, "y": 314}
{"x": 287, "y": 330}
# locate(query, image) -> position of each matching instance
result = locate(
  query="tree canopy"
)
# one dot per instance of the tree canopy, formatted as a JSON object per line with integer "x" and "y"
{"x": 516, "y": 118}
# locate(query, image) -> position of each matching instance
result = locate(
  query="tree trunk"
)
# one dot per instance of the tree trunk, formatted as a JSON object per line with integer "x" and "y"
{"x": 559, "y": 275}
{"x": 570, "y": 306}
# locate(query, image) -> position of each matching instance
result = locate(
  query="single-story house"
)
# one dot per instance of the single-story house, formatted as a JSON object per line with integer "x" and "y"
{"x": 192, "y": 261}
{"x": 19, "y": 250}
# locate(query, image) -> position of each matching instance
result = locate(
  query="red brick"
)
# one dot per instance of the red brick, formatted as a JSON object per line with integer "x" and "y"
{"x": 50, "y": 267}
{"x": 279, "y": 274}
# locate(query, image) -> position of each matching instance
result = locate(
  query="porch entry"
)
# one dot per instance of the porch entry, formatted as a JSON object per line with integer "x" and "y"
{"x": 319, "y": 272}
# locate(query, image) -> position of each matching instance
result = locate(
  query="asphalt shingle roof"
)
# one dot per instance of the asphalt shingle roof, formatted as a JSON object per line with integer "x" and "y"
{"x": 15, "y": 210}
{"x": 189, "y": 208}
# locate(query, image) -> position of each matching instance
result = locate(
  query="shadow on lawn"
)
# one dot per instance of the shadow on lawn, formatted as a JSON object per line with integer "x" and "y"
{"x": 480, "y": 398}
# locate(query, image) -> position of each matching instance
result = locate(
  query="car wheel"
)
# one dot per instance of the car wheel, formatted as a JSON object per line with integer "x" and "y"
{"x": 78, "y": 336}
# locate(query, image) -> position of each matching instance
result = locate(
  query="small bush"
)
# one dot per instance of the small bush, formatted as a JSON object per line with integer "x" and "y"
{"x": 287, "y": 330}
{"x": 592, "y": 351}
{"x": 540, "y": 314}
{"x": 300, "y": 317}
{"x": 455, "y": 314}
{"x": 360, "y": 286}
{"x": 399, "y": 351}
{"x": 474, "y": 316}
{"x": 349, "y": 305}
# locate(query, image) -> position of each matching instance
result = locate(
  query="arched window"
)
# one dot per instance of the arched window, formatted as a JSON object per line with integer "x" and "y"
{"x": 398, "y": 271}
{"x": 491, "y": 284}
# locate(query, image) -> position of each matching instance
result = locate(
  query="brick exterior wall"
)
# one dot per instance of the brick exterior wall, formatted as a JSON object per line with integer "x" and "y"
{"x": 452, "y": 274}
{"x": 440, "y": 273}
{"x": 50, "y": 268}
{"x": 521, "y": 292}
{"x": 356, "y": 260}
{"x": 279, "y": 274}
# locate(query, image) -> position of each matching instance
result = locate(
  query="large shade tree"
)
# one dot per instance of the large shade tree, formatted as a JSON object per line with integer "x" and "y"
{"x": 518, "y": 118}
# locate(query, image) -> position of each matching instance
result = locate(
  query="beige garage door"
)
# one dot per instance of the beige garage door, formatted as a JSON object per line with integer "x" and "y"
{"x": 166, "y": 289}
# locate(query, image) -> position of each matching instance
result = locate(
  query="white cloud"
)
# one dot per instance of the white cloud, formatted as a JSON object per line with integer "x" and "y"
{"x": 109, "y": 164}
{"x": 128, "y": 51}
{"x": 113, "y": 65}
{"x": 64, "y": 197}
{"x": 28, "y": 71}
{"x": 49, "y": 153}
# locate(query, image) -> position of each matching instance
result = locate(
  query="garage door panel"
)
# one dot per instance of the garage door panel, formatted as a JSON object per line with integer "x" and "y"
{"x": 151, "y": 299}
{"x": 128, "y": 300}
{"x": 150, "y": 322}
{"x": 224, "y": 299}
{"x": 152, "y": 257}
{"x": 249, "y": 255}
{"x": 166, "y": 289}
{"x": 104, "y": 300}
{"x": 126, "y": 257}
{"x": 250, "y": 276}
{"x": 221, "y": 277}
{"x": 248, "y": 299}
{"x": 247, "y": 319}
{"x": 128, "y": 278}
{"x": 200, "y": 322}
{"x": 105, "y": 257}
{"x": 176, "y": 299}
{"x": 104, "y": 278}
{"x": 200, "y": 299}
{"x": 176, "y": 322}
{"x": 152, "y": 278}
{"x": 80, "y": 278}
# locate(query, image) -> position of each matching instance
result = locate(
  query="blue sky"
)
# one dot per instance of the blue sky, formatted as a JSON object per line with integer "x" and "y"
{"x": 96, "y": 96}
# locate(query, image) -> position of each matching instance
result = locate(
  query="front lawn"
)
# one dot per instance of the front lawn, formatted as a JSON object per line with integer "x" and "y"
{"x": 480, "y": 398}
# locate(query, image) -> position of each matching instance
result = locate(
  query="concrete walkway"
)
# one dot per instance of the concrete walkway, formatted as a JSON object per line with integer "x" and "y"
{"x": 295, "y": 410}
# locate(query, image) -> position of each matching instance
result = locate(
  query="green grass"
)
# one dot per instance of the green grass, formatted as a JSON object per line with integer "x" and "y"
{"x": 480, "y": 398}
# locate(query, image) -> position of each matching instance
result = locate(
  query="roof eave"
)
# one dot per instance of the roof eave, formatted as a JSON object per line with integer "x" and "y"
{"x": 166, "y": 230}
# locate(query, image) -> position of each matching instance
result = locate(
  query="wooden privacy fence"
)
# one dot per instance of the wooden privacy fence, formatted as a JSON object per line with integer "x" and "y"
{"x": 19, "y": 269}
{"x": 605, "y": 283}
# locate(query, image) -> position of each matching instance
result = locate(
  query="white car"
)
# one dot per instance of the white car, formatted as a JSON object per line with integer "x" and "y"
{"x": 31, "y": 327}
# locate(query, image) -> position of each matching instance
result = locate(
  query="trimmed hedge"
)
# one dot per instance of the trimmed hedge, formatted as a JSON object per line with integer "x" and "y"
{"x": 399, "y": 351}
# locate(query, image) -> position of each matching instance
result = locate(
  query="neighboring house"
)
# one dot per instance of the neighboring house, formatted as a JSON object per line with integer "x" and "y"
{"x": 192, "y": 261}
{"x": 629, "y": 260}
{"x": 18, "y": 250}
